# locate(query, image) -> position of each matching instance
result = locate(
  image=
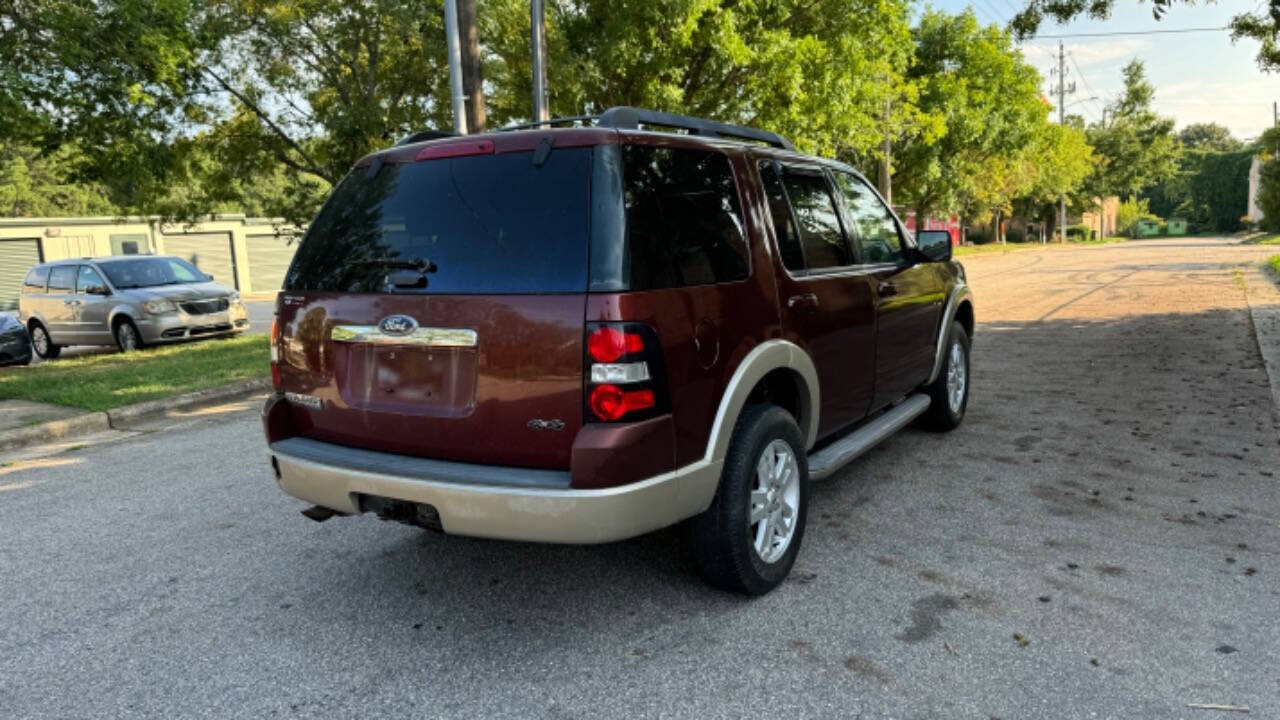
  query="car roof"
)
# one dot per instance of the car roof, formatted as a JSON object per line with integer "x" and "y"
{"x": 105, "y": 260}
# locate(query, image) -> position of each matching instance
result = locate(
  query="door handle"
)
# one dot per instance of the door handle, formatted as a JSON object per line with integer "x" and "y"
{"x": 807, "y": 300}
{"x": 72, "y": 303}
{"x": 887, "y": 289}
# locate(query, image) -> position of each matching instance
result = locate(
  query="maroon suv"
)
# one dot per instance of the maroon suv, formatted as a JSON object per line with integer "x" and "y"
{"x": 582, "y": 334}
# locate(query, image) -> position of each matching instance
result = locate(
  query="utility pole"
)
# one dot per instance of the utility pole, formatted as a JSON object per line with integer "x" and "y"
{"x": 538, "y": 39}
{"x": 472, "y": 81}
{"x": 1062, "y": 120}
{"x": 455, "y": 66}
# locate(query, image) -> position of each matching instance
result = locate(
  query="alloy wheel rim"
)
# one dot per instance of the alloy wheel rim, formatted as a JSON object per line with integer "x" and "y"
{"x": 775, "y": 501}
{"x": 128, "y": 340}
{"x": 957, "y": 377}
{"x": 40, "y": 340}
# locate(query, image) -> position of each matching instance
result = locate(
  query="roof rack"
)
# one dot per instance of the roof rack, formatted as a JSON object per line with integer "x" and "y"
{"x": 630, "y": 118}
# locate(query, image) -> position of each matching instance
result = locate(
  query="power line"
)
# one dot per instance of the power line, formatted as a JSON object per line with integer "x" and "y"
{"x": 1097, "y": 106}
{"x": 1128, "y": 32}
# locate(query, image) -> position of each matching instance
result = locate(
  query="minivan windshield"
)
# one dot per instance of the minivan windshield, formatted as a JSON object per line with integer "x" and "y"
{"x": 468, "y": 225}
{"x": 151, "y": 272}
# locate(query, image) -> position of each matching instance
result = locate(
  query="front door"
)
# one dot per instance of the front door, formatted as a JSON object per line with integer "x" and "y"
{"x": 91, "y": 313}
{"x": 826, "y": 302}
{"x": 909, "y": 294}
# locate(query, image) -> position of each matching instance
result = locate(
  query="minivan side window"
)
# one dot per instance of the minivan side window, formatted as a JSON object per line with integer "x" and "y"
{"x": 87, "y": 278}
{"x": 876, "y": 230}
{"x": 819, "y": 224}
{"x": 684, "y": 222}
{"x": 36, "y": 279}
{"x": 62, "y": 278}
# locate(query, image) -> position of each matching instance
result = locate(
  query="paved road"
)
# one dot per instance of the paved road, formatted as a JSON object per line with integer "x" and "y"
{"x": 1111, "y": 500}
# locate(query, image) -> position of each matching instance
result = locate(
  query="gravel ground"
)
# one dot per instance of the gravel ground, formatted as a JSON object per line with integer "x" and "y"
{"x": 1099, "y": 539}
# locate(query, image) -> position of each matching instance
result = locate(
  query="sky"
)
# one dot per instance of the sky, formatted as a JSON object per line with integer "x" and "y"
{"x": 1199, "y": 77}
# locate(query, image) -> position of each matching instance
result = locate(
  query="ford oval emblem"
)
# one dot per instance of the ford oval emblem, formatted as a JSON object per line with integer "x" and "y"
{"x": 397, "y": 325}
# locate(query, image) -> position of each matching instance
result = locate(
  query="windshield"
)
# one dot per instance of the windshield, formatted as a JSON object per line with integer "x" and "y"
{"x": 478, "y": 224}
{"x": 151, "y": 272}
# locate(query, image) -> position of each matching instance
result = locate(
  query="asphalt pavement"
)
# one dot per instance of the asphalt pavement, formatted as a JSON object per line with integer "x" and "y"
{"x": 1099, "y": 539}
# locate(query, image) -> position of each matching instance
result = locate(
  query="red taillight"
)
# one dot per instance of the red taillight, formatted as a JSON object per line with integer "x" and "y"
{"x": 610, "y": 402}
{"x": 606, "y": 344}
{"x": 275, "y": 353}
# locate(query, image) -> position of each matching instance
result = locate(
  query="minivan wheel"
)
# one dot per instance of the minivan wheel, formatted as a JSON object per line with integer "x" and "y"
{"x": 41, "y": 343}
{"x": 127, "y": 337}
{"x": 748, "y": 539}
{"x": 949, "y": 392}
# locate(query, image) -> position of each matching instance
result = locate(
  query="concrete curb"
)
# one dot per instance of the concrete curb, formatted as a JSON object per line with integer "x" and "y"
{"x": 93, "y": 422}
{"x": 1262, "y": 292}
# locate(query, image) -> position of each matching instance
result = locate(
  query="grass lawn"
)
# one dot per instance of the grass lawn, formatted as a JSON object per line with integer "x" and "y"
{"x": 1264, "y": 240}
{"x": 1274, "y": 262}
{"x": 104, "y": 382}
{"x": 997, "y": 248}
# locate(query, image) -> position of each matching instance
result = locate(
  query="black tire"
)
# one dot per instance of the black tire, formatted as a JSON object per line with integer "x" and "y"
{"x": 943, "y": 415}
{"x": 720, "y": 539}
{"x": 40, "y": 338}
{"x": 127, "y": 336}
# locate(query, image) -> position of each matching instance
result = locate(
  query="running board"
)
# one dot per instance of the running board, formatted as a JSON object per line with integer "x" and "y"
{"x": 831, "y": 458}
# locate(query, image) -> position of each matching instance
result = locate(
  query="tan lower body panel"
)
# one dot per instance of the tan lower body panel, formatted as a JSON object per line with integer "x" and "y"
{"x": 556, "y": 516}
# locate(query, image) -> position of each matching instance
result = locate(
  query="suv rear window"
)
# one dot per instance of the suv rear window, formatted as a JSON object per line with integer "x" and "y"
{"x": 487, "y": 223}
{"x": 683, "y": 220}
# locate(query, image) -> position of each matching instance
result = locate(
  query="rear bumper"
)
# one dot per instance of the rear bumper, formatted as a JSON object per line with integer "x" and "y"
{"x": 483, "y": 506}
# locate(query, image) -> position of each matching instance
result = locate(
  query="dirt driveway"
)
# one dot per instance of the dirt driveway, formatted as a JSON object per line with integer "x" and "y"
{"x": 1099, "y": 540}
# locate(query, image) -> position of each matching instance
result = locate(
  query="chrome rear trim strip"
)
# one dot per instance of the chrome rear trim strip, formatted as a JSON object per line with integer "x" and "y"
{"x": 424, "y": 336}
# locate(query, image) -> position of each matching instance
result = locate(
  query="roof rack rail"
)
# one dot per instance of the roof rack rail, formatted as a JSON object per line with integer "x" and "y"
{"x": 631, "y": 118}
{"x": 545, "y": 123}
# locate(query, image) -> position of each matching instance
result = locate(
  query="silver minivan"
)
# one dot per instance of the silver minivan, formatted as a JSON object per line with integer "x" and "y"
{"x": 128, "y": 301}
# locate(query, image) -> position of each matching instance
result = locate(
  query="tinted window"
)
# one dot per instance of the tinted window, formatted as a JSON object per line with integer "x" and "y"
{"x": 487, "y": 223}
{"x": 151, "y": 272}
{"x": 815, "y": 216}
{"x": 784, "y": 225}
{"x": 684, "y": 225}
{"x": 36, "y": 279}
{"x": 87, "y": 278}
{"x": 62, "y": 277}
{"x": 876, "y": 231}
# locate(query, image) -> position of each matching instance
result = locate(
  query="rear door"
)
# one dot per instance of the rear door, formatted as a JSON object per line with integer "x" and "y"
{"x": 826, "y": 301}
{"x": 908, "y": 294}
{"x": 436, "y": 308}
{"x": 59, "y": 305}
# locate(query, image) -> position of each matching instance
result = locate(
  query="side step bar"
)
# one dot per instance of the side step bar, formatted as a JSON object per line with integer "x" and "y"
{"x": 831, "y": 458}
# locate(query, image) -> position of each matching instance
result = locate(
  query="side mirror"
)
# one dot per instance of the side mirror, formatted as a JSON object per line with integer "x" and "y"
{"x": 208, "y": 277}
{"x": 935, "y": 245}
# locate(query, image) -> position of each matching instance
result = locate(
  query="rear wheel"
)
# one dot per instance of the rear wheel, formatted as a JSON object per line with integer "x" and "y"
{"x": 949, "y": 392}
{"x": 41, "y": 343}
{"x": 748, "y": 539}
{"x": 127, "y": 337}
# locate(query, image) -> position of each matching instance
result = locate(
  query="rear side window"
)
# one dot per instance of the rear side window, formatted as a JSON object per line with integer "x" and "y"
{"x": 36, "y": 279}
{"x": 817, "y": 221}
{"x": 486, "y": 223}
{"x": 683, "y": 221}
{"x": 62, "y": 277}
{"x": 784, "y": 226}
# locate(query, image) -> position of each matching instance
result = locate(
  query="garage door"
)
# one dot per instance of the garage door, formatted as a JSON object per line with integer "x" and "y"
{"x": 269, "y": 258}
{"x": 16, "y": 258}
{"x": 211, "y": 252}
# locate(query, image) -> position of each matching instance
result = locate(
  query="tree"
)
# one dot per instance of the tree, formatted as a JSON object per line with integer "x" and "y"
{"x": 988, "y": 100}
{"x": 1062, "y": 161}
{"x": 1138, "y": 146}
{"x": 1208, "y": 136}
{"x": 820, "y": 72}
{"x": 36, "y": 185}
{"x": 1255, "y": 25}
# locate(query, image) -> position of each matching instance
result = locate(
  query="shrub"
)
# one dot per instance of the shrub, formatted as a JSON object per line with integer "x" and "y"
{"x": 977, "y": 238}
{"x": 1014, "y": 236}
